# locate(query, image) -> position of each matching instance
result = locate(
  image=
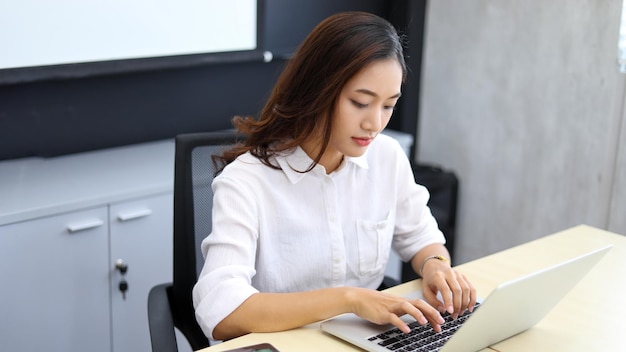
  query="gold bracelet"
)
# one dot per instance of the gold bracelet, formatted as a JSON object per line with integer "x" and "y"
{"x": 438, "y": 257}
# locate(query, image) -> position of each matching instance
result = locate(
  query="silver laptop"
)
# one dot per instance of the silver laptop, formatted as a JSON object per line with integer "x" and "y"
{"x": 511, "y": 308}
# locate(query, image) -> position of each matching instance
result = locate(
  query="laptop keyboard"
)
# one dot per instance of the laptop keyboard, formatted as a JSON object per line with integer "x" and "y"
{"x": 422, "y": 338}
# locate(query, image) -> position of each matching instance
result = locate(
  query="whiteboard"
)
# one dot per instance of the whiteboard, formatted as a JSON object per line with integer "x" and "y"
{"x": 43, "y": 32}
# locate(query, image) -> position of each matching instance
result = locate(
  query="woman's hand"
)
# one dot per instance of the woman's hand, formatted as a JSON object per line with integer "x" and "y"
{"x": 384, "y": 308}
{"x": 455, "y": 289}
{"x": 269, "y": 312}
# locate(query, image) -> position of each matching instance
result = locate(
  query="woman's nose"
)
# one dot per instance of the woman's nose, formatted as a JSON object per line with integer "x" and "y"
{"x": 373, "y": 121}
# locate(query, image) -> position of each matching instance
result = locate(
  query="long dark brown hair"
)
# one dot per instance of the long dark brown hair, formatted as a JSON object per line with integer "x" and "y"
{"x": 305, "y": 94}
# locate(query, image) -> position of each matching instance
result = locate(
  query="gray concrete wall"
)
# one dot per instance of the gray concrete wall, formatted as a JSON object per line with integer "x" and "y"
{"x": 524, "y": 101}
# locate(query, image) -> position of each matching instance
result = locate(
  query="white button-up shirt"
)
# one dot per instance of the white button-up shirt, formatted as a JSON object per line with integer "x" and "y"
{"x": 289, "y": 231}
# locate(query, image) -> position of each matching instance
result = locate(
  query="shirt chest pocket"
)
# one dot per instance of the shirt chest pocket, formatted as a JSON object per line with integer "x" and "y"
{"x": 374, "y": 244}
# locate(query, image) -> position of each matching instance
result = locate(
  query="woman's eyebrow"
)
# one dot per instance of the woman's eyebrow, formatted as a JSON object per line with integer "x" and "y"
{"x": 369, "y": 92}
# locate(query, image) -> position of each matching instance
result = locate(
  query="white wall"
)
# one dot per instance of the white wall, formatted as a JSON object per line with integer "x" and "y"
{"x": 524, "y": 101}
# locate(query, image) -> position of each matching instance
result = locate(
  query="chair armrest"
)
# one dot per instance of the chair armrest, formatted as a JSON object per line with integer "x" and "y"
{"x": 162, "y": 333}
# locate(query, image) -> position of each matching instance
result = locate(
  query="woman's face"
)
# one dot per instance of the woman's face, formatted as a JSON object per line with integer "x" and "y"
{"x": 362, "y": 110}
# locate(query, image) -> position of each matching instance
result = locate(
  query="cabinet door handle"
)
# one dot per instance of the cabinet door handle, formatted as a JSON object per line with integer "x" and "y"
{"x": 84, "y": 225}
{"x": 135, "y": 214}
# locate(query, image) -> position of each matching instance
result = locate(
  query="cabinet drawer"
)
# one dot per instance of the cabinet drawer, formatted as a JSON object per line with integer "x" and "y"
{"x": 142, "y": 238}
{"x": 55, "y": 287}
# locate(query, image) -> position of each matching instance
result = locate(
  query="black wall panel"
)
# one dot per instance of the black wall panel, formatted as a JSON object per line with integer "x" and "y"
{"x": 60, "y": 117}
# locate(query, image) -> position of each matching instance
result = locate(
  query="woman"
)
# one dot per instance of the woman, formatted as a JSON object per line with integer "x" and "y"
{"x": 307, "y": 210}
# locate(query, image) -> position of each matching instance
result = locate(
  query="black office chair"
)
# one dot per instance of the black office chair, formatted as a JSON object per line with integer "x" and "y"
{"x": 170, "y": 304}
{"x": 443, "y": 186}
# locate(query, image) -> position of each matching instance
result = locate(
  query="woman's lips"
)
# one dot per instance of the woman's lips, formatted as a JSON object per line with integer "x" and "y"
{"x": 363, "y": 141}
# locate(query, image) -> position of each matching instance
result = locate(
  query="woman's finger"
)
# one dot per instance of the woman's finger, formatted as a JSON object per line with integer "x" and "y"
{"x": 426, "y": 313}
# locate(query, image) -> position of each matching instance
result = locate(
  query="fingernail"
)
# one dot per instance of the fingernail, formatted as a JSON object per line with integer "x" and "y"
{"x": 450, "y": 309}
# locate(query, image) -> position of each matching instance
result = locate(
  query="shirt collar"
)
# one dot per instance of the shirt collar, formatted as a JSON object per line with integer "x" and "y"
{"x": 294, "y": 162}
{"x": 360, "y": 161}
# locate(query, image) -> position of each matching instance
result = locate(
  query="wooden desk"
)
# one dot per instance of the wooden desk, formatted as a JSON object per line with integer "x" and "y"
{"x": 590, "y": 317}
{"x": 571, "y": 326}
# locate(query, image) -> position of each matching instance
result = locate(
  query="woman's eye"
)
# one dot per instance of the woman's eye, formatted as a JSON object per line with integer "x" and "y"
{"x": 358, "y": 105}
{"x": 390, "y": 107}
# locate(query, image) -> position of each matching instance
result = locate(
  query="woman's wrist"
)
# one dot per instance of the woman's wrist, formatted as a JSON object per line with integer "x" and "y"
{"x": 350, "y": 298}
{"x": 428, "y": 261}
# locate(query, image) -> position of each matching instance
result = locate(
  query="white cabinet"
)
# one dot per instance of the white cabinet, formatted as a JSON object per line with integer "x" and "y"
{"x": 64, "y": 222}
{"x": 54, "y": 294}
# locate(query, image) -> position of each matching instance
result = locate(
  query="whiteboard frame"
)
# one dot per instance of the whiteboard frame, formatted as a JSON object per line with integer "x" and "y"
{"x": 19, "y": 75}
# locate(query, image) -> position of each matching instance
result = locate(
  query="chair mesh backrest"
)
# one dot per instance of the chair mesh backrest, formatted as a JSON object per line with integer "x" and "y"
{"x": 193, "y": 203}
{"x": 202, "y": 173}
